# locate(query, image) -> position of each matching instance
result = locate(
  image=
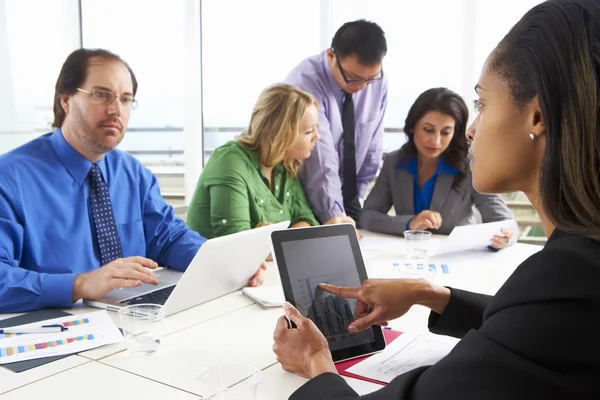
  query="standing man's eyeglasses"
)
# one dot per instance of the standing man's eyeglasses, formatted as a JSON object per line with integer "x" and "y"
{"x": 356, "y": 81}
{"x": 106, "y": 97}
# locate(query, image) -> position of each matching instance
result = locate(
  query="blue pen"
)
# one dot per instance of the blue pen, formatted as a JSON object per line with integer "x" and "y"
{"x": 42, "y": 329}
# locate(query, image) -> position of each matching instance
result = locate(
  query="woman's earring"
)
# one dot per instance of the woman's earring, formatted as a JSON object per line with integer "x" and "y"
{"x": 531, "y": 136}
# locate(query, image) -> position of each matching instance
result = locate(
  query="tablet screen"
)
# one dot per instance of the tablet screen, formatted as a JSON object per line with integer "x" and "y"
{"x": 329, "y": 259}
{"x": 311, "y": 262}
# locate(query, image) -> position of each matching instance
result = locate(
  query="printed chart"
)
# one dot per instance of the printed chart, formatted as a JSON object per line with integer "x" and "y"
{"x": 84, "y": 332}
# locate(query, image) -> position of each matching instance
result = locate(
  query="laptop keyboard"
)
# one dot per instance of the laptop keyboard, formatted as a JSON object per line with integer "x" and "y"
{"x": 157, "y": 297}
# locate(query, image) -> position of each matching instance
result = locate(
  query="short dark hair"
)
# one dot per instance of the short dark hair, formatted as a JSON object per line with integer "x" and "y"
{"x": 449, "y": 103}
{"x": 74, "y": 72}
{"x": 553, "y": 53}
{"x": 362, "y": 38}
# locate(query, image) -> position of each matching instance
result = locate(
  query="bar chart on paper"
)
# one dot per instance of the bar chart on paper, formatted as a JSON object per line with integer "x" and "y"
{"x": 76, "y": 322}
{"x": 84, "y": 332}
{"x": 9, "y": 351}
{"x": 9, "y": 335}
{"x": 384, "y": 268}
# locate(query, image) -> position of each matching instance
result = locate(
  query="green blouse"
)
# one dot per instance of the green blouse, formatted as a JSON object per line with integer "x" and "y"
{"x": 233, "y": 195}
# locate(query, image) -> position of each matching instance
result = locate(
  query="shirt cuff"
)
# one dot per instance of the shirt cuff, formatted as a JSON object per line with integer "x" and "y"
{"x": 408, "y": 224}
{"x": 58, "y": 290}
{"x": 493, "y": 249}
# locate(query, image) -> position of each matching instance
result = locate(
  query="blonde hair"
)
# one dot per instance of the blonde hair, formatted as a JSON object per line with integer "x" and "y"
{"x": 275, "y": 125}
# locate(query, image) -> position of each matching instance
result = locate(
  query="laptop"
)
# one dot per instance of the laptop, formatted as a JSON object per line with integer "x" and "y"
{"x": 221, "y": 266}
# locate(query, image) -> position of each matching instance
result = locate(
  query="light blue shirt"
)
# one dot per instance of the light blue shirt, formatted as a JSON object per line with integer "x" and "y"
{"x": 321, "y": 174}
{"x": 46, "y": 227}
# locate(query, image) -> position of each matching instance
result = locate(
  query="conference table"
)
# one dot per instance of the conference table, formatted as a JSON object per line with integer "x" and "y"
{"x": 235, "y": 329}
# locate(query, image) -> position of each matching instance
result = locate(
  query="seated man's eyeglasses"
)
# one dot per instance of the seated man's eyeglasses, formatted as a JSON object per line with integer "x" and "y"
{"x": 356, "y": 81}
{"x": 106, "y": 97}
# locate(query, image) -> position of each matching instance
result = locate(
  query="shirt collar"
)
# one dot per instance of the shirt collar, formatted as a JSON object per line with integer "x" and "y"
{"x": 255, "y": 159}
{"x": 411, "y": 167}
{"x": 77, "y": 165}
{"x": 335, "y": 88}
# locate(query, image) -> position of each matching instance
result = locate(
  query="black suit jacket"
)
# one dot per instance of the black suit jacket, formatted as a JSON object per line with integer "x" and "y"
{"x": 537, "y": 338}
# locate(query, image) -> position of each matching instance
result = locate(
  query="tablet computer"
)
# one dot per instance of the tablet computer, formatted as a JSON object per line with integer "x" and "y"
{"x": 330, "y": 254}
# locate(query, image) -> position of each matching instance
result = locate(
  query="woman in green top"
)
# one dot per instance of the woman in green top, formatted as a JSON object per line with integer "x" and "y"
{"x": 252, "y": 181}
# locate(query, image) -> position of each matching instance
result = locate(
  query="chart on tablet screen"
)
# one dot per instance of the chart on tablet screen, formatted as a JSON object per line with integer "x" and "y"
{"x": 331, "y": 314}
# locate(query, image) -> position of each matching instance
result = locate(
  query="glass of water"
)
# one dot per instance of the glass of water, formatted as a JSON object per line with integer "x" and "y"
{"x": 143, "y": 326}
{"x": 417, "y": 244}
{"x": 229, "y": 381}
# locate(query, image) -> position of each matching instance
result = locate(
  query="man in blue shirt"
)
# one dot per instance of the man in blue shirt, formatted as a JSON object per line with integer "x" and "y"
{"x": 79, "y": 218}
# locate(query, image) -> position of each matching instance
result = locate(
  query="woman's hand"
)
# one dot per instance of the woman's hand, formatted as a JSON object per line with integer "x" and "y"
{"x": 426, "y": 219}
{"x": 501, "y": 241}
{"x": 259, "y": 277}
{"x": 304, "y": 350}
{"x": 382, "y": 300}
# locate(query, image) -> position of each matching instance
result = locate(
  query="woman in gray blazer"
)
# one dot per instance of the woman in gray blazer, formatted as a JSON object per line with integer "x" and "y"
{"x": 428, "y": 180}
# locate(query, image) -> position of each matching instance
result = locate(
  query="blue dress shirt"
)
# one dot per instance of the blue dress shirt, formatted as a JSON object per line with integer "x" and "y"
{"x": 46, "y": 227}
{"x": 422, "y": 198}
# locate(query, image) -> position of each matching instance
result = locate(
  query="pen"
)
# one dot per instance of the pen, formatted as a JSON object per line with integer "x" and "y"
{"x": 42, "y": 329}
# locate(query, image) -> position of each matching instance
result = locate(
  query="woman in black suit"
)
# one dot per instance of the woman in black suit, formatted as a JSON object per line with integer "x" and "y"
{"x": 538, "y": 131}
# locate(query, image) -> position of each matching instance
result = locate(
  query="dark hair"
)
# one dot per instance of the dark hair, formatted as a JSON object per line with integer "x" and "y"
{"x": 553, "y": 53}
{"x": 74, "y": 72}
{"x": 446, "y": 102}
{"x": 362, "y": 38}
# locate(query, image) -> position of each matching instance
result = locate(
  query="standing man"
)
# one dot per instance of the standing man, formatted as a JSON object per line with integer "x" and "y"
{"x": 79, "y": 218}
{"x": 349, "y": 84}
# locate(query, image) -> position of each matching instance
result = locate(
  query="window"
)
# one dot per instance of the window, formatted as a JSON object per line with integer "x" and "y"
{"x": 425, "y": 50}
{"x": 493, "y": 21}
{"x": 241, "y": 56}
{"x": 246, "y": 46}
{"x": 35, "y": 38}
{"x": 151, "y": 38}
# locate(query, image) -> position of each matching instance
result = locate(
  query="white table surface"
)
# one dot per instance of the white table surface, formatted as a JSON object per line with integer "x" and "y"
{"x": 10, "y": 380}
{"x": 233, "y": 329}
{"x": 94, "y": 380}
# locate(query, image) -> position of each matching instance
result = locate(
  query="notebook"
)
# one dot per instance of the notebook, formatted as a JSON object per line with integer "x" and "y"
{"x": 266, "y": 296}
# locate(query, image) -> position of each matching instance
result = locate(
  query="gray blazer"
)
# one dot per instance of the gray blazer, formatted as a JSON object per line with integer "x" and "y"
{"x": 395, "y": 187}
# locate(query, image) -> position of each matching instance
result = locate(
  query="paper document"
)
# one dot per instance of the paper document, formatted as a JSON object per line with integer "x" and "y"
{"x": 469, "y": 237}
{"x": 407, "y": 352}
{"x": 267, "y": 296}
{"x": 85, "y": 331}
